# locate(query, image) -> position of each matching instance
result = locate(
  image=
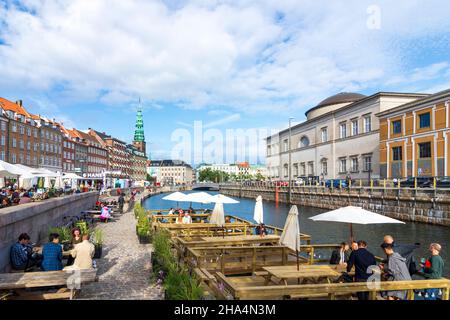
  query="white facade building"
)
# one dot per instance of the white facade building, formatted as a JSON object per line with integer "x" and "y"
{"x": 340, "y": 137}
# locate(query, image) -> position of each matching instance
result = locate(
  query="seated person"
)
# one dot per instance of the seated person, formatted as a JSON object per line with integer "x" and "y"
{"x": 83, "y": 253}
{"x": 21, "y": 254}
{"x": 171, "y": 211}
{"x": 52, "y": 254}
{"x": 105, "y": 213}
{"x": 25, "y": 198}
{"x": 187, "y": 218}
{"x": 261, "y": 230}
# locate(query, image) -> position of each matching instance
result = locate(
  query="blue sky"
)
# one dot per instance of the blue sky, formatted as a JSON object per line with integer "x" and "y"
{"x": 230, "y": 64}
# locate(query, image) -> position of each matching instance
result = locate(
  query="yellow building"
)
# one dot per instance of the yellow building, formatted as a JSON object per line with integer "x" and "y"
{"x": 414, "y": 138}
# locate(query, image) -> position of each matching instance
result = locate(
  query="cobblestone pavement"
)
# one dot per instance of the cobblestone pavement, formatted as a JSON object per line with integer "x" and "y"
{"x": 125, "y": 267}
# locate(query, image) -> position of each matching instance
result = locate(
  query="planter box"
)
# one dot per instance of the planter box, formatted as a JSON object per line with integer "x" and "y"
{"x": 144, "y": 239}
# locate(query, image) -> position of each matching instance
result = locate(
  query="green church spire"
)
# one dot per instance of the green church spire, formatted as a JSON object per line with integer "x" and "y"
{"x": 139, "y": 131}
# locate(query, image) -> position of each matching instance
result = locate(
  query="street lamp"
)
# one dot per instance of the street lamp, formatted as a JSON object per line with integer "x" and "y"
{"x": 290, "y": 160}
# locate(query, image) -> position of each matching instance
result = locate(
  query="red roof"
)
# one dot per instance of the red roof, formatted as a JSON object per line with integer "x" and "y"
{"x": 14, "y": 107}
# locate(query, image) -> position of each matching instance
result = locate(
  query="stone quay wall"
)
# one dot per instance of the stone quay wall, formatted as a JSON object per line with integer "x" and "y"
{"x": 430, "y": 206}
{"x": 36, "y": 218}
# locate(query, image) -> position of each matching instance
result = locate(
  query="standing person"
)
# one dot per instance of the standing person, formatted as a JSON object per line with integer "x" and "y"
{"x": 362, "y": 259}
{"x": 83, "y": 254}
{"x": 396, "y": 270}
{"x": 433, "y": 269}
{"x": 121, "y": 201}
{"x": 406, "y": 251}
{"x": 180, "y": 217}
{"x": 52, "y": 254}
{"x": 341, "y": 255}
{"x": 354, "y": 246}
{"x": 76, "y": 239}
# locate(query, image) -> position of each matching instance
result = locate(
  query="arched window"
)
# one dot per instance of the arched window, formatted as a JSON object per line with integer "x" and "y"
{"x": 304, "y": 142}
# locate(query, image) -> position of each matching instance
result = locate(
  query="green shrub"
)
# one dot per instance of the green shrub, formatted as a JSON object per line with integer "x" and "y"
{"x": 83, "y": 226}
{"x": 65, "y": 234}
{"x": 97, "y": 237}
{"x": 180, "y": 285}
{"x": 138, "y": 210}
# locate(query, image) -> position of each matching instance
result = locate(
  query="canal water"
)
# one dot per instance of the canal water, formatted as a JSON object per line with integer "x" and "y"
{"x": 330, "y": 232}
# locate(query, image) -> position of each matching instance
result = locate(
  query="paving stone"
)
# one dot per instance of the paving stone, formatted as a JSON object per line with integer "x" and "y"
{"x": 125, "y": 268}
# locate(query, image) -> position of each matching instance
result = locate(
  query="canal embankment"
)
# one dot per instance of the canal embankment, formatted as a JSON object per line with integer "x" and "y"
{"x": 430, "y": 206}
{"x": 36, "y": 218}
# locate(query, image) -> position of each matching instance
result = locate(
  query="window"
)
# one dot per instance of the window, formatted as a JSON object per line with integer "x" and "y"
{"x": 29, "y": 132}
{"x": 3, "y": 140}
{"x": 285, "y": 144}
{"x": 343, "y": 165}
{"x": 14, "y": 128}
{"x": 368, "y": 163}
{"x": 304, "y": 142}
{"x": 14, "y": 142}
{"x": 3, "y": 125}
{"x": 302, "y": 169}
{"x": 397, "y": 154}
{"x": 268, "y": 151}
{"x": 2, "y": 155}
{"x": 22, "y": 130}
{"x": 367, "y": 123}
{"x": 396, "y": 126}
{"x": 13, "y": 158}
{"x": 424, "y": 120}
{"x": 296, "y": 170}
{"x": 354, "y": 127}
{"x": 324, "y": 167}
{"x": 425, "y": 150}
{"x": 21, "y": 144}
{"x": 324, "y": 134}
{"x": 343, "y": 130}
{"x": 28, "y": 145}
{"x": 286, "y": 170}
{"x": 354, "y": 163}
{"x": 311, "y": 168}
{"x": 35, "y": 133}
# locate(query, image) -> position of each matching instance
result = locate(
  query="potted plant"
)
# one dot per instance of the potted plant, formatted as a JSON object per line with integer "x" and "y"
{"x": 98, "y": 243}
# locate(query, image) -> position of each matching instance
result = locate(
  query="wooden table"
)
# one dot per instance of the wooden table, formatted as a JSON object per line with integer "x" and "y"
{"x": 39, "y": 250}
{"x": 316, "y": 272}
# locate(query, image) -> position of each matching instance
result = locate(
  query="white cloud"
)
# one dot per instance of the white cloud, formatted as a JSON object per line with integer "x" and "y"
{"x": 248, "y": 56}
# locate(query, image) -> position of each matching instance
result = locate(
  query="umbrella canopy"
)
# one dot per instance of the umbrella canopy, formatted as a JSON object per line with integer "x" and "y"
{"x": 47, "y": 183}
{"x": 356, "y": 215}
{"x": 291, "y": 231}
{"x": 200, "y": 197}
{"x": 223, "y": 199}
{"x": 353, "y": 215}
{"x": 8, "y": 170}
{"x": 258, "y": 215}
{"x": 218, "y": 215}
{"x": 59, "y": 184}
{"x": 2, "y": 182}
{"x": 176, "y": 196}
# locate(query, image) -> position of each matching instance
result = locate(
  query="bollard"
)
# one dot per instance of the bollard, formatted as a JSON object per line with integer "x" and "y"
{"x": 360, "y": 183}
{"x": 434, "y": 182}
{"x": 398, "y": 183}
{"x": 384, "y": 184}
{"x": 371, "y": 183}
{"x": 415, "y": 183}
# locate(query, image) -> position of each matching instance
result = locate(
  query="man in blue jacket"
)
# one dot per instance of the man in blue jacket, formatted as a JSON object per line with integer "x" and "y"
{"x": 52, "y": 253}
{"x": 361, "y": 259}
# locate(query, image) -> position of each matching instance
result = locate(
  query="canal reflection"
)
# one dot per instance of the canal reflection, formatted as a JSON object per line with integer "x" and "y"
{"x": 330, "y": 232}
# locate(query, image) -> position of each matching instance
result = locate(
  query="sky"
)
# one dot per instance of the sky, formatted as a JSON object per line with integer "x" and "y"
{"x": 228, "y": 65}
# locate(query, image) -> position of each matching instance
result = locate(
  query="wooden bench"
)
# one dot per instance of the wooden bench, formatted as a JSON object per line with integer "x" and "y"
{"x": 254, "y": 290}
{"x": 70, "y": 281}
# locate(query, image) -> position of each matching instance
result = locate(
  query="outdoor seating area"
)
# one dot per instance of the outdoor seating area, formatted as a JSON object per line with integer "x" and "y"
{"x": 20, "y": 184}
{"x": 249, "y": 263}
{"x": 55, "y": 269}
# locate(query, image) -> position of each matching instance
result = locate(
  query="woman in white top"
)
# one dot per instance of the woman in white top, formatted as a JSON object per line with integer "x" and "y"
{"x": 187, "y": 218}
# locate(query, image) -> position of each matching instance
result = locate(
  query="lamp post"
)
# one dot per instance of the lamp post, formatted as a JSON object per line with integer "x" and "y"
{"x": 290, "y": 162}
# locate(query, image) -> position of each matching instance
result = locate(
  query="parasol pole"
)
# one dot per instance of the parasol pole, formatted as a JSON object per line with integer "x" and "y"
{"x": 351, "y": 232}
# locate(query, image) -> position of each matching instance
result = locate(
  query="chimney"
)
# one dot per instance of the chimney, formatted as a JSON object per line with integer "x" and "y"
{"x": 19, "y": 102}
